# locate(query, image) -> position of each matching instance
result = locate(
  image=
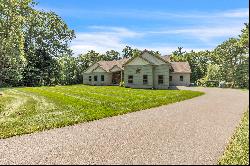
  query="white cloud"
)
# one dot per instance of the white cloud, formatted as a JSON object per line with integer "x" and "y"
{"x": 98, "y": 42}
{"x": 165, "y": 49}
{"x": 106, "y": 39}
{"x": 118, "y": 31}
{"x": 204, "y": 34}
{"x": 227, "y": 14}
{"x": 207, "y": 29}
{"x": 103, "y": 44}
{"x": 238, "y": 13}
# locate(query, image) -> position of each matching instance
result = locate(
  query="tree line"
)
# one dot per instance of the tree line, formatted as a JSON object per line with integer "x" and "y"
{"x": 228, "y": 62}
{"x": 34, "y": 51}
{"x": 34, "y": 48}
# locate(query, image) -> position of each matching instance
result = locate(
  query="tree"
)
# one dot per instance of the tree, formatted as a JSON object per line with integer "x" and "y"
{"x": 46, "y": 38}
{"x": 30, "y": 42}
{"x": 213, "y": 72}
{"x": 244, "y": 37}
{"x": 68, "y": 70}
{"x": 198, "y": 62}
{"x": 41, "y": 69}
{"x": 156, "y": 53}
{"x": 86, "y": 60}
{"x": 127, "y": 52}
{"x": 47, "y": 30}
{"x": 230, "y": 56}
{"x": 242, "y": 72}
{"x": 13, "y": 17}
{"x": 230, "y": 61}
{"x": 179, "y": 52}
{"x": 136, "y": 52}
{"x": 111, "y": 55}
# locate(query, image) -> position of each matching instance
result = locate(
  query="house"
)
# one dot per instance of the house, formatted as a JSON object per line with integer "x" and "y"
{"x": 143, "y": 71}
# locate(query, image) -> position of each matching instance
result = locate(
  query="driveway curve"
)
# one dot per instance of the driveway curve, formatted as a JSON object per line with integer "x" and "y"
{"x": 194, "y": 131}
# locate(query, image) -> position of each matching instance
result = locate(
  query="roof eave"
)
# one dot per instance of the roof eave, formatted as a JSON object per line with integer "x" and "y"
{"x": 100, "y": 67}
{"x": 136, "y": 57}
{"x": 181, "y": 72}
{"x": 117, "y": 66}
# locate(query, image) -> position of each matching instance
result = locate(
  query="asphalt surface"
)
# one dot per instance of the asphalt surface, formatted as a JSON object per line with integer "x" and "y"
{"x": 194, "y": 131}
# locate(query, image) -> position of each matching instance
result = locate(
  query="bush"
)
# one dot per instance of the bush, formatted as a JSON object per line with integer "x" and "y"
{"x": 229, "y": 85}
{"x": 212, "y": 83}
{"x": 207, "y": 83}
{"x": 122, "y": 84}
{"x": 201, "y": 82}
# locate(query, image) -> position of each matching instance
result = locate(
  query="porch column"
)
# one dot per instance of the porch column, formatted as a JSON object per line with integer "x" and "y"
{"x": 121, "y": 76}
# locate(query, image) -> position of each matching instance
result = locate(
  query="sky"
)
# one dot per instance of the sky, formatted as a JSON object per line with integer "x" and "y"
{"x": 160, "y": 25}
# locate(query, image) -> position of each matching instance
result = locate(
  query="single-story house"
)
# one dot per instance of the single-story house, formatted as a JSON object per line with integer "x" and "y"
{"x": 143, "y": 71}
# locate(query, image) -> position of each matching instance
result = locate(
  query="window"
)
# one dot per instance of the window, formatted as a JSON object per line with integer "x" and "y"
{"x": 90, "y": 78}
{"x": 160, "y": 79}
{"x": 170, "y": 78}
{"x": 95, "y": 78}
{"x": 102, "y": 77}
{"x": 181, "y": 78}
{"x": 145, "y": 79}
{"x": 130, "y": 79}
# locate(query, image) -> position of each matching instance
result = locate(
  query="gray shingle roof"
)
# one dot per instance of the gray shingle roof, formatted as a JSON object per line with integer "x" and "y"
{"x": 178, "y": 67}
{"x": 107, "y": 65}
{"x": 166, "y": 57}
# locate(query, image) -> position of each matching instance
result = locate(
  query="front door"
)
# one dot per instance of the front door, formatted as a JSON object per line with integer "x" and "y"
{"x": 116, "y": 77}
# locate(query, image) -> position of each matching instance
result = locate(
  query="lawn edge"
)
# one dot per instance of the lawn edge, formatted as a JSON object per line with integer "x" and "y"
{"x": 232, "y": 139}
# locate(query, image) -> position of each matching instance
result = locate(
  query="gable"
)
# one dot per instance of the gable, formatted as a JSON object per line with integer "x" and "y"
{"x": 146, "y": 58}
{"x": 138, "y": 61}
{"x": 99, "y": 69}
{"x": 115, "y": 69}
{"x": 91, "y": 68}
{"x": 152, "y": 59}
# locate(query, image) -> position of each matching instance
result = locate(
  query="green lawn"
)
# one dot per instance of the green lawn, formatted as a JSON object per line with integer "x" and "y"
{"x": 237, "y": 152}
{"x": 25, "y": 110}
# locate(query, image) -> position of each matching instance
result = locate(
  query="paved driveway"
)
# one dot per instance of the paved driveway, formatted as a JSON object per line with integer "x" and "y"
{"x": 194, "y": 131}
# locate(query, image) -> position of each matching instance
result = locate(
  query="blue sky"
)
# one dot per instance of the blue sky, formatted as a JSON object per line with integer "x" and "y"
{"x": 161, "y": 25}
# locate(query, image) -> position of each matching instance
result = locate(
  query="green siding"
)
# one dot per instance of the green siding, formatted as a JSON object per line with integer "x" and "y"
{"x": 138, "y": 77}
{"x": 107, "y": 78}
{"x": 176, "y": 79}
{"x": 161, "y": 70}
{"x": 151, "y": 71}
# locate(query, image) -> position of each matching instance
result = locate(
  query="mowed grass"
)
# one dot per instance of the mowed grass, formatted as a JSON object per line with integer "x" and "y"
{"x": 29, "y": 109}
{"x": 237, "y": 152}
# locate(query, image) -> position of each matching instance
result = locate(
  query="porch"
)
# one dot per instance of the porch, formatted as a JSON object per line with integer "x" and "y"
{"x": 117, "y": 77}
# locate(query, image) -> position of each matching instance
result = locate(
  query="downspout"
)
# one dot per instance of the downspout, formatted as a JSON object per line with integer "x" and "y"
{"x": 82, "y": 78}
{"x": 153, "y": 76}
{"x": 121, "y": 77}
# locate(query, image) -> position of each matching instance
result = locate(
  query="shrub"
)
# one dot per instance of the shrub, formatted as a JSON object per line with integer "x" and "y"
{"x": 201, "y": 82}
{"x": 207, "y": 83}
{"x": 212, "y": 83}
{"x": 122, "y": 84}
